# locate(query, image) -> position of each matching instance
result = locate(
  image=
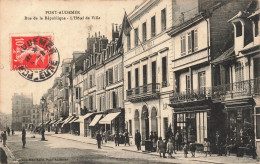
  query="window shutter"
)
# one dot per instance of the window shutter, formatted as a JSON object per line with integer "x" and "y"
{"x": 116, "y": 74}
{"x": 195, "y": 40}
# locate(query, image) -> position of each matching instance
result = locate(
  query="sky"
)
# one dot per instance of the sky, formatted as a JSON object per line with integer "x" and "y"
{"x": 68, "y": 36}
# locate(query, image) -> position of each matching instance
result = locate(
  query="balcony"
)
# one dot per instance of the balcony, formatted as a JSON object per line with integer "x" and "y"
{"x": 190, "y": 95}
{"x": 235, "y": 90}
{"x": 146, "y": 92}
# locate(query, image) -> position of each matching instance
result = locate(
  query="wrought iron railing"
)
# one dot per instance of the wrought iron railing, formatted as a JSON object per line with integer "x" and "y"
{"x": 190, "y": 95}
{"x": 143, "y": 91}
{"x": 221, "y": 92}
{"x": 243, "y": 88}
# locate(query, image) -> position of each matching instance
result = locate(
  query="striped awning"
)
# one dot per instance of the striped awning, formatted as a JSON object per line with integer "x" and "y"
{"x": 67, "y": 120}
{"x": 82, "y": 118}
{"x": 108, "y": 118}
{"x": 71, "y": 121}
{"x": 95, "y": 120}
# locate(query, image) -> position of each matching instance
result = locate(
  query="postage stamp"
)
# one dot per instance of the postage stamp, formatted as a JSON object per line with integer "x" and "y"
{"x": 34, "y": 57}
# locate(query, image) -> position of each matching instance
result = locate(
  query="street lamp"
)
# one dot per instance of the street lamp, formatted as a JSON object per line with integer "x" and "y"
{"x": 43, "y": 101}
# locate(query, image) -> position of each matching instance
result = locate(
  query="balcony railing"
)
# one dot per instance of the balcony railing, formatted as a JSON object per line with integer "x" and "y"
{"x": 140, "y": 93}
{"x": 243, "y": 88}
{"x": 190, "y": 95}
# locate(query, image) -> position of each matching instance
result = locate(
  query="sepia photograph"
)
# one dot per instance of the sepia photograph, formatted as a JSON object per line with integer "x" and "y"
{"x": 129, "y": 81}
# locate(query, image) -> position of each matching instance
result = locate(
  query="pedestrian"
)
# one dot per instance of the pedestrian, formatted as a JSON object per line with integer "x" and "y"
{"x": 192, "y": 149}
{"x": 151, "y": 136}
{"x": 169, "y": 149}
{"x": 161, "y": 147}
{"x": 185, "y": 149}
{"x": 178, "y": 140}
{"x": 105, "y": 135}
{"x": 8, "y": 131}
{"x": 206, "y": 146}
{"x": 99, "y": 138}
{"x": 24, "y": 137}
{"x": 117, "y": 139}
{"x": 4, "y": 138}
{"x": 126, "y": 135}
{"x": 138, "y": 140}
{"x": 12, "y": 132}
{"x": 219, "y": 143}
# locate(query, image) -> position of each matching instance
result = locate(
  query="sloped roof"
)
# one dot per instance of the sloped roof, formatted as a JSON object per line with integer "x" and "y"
{"x": 227, "y": 55}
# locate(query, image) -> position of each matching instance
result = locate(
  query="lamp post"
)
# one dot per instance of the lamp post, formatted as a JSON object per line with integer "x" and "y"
{"x": 42, "y": 131}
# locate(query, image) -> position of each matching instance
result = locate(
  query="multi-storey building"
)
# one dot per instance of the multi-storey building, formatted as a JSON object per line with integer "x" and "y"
{"x": 147, "y": 79}
{"x": 36, "y": 115}
{"x": 5, "y": 121}
{"x": 237, "y": 85}
{"x": 21, "y": 111}
{"x": 197, "y": 39}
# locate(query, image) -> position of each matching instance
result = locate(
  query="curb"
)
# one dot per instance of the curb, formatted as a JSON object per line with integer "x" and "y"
{"x": 10, "y": 155}
{"x": 82, "y": 141}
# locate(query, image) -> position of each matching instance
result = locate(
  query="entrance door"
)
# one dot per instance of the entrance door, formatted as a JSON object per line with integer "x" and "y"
{"x": 145, "y": 123}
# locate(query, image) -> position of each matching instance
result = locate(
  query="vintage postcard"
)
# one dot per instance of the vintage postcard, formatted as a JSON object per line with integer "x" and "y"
{"x": 120, "y": 81}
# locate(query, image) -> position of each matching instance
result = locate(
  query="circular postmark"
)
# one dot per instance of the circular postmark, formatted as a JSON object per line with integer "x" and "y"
{"x": 35, "y": 58}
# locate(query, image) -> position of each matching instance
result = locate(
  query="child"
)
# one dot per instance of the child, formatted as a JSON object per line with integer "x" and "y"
{"x": 185, "y": 148}
{"x": 192, "y": 149}
{"x": 206, "y": 146}
{"x": 170, "y": 148}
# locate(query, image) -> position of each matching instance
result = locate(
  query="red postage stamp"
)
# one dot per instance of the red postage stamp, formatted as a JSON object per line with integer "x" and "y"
{"x": 31, "y": 52}
{"x": 34, "y": 57}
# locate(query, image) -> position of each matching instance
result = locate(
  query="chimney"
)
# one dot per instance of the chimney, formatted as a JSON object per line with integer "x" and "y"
{"x": 95, "y": 34}
{"x": 112, "y": 27}
{"x": 116, "y": 28}
{"x": 99, "y": 34}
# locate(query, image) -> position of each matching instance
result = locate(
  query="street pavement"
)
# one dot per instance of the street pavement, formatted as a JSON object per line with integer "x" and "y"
{"x": 67, "y": 148}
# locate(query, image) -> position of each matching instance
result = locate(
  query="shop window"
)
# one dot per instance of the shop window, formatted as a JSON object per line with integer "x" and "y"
{"x": 201, "y": 123}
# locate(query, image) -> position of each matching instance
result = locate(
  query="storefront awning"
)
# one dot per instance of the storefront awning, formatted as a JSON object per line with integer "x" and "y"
{"x": 95, "y": 120}
{"x": 59, "y": 121}
{"x": 108, "y": 118}
{"x": 71, "y": 121}
{"x": 47, "y": 123}
{"x": 67, "y": 120}
{"x": 53, "y": 121}
{"x": 82, "y": 118}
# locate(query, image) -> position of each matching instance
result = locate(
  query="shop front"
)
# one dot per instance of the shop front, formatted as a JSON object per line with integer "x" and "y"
{"x": 240, "y": 127}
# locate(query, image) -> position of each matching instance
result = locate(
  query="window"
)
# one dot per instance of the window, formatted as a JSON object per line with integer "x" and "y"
{"x": 163, "y": 19}
{"x": 164, "y": 72}
{"x": 90, "y": 81}
{"x": 144, "y": 75}
{"x": 202, "y": 82}
{"x": 144, "y": 32}
{"x": 239, "y": 71}
{"x": 116, "y": 74}
{"x": 201, "y": 123}
{"x": 129, "y": 79}
{"x": 153, "y": 28}
{"x": 188, "y": 84}
{"x": 91, "y": 102}
{"x": 128, "y": 42}
{"x": 136, "y": 37}
{"x": 136, "y": 77}
{"x": 154, "y": 72}
{"x": 183, "y": 45}
{"x": 257, "y": 109}
{"x": 192, "y": 41}
{"x": 109, "y": 76}
{"x": 238, "y": 29}
{"x": 114, "y": 99}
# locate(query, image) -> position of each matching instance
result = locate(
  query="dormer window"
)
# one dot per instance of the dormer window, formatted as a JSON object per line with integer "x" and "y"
{"x": 238, "y": 29}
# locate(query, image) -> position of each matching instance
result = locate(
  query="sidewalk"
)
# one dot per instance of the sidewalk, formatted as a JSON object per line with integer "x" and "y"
{"x": 200, "y": 157}
{"x": 10, "y": 157}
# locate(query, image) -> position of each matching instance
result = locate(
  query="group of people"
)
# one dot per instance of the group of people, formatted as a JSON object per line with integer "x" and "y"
{"x": 102, "y": 137}
{"x": 4, "y": 136}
